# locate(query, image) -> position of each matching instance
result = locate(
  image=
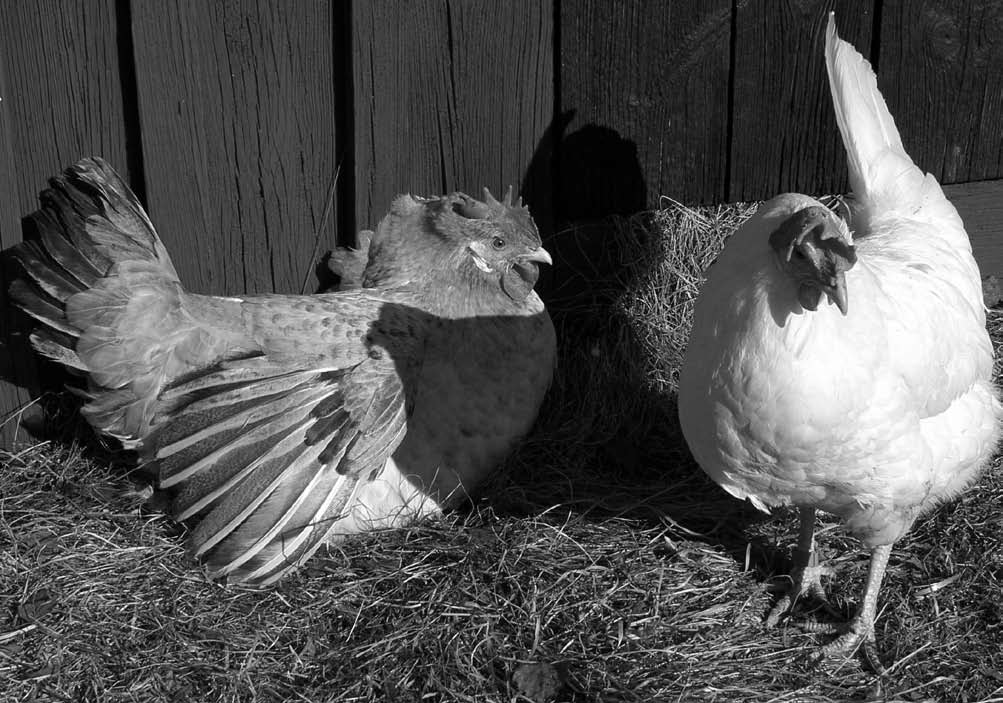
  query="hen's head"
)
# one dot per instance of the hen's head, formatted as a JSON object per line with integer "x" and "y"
{"x": 495, "y": 242}
{"x": 813, "y": 246}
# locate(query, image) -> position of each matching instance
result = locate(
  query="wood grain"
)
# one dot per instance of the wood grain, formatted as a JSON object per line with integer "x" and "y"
{"x": 940, "y": 68}
{"x": 784, "y": 134}
{"x": 981, "y": 208}
{"x": 60, "y": 99}
{"x": 449, "y": 95}
{"x": 237, "y": 102}
{"x": 648, "y": 84}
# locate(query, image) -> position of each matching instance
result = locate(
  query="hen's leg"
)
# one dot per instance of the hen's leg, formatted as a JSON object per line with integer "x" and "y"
{"x": 860, "y": 630}
{"x": 806, "y": 575}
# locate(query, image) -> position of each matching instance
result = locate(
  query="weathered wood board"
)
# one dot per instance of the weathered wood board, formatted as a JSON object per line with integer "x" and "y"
{"x": 60, "y": 99}
{"x": 449, "y": 95}
{"x": 784, "y": 134}
{"x": 237, "y": 103}
{"x": 647, "y": 83}
{"x": 940, "y": 68}
{"x": 981, "y": 208}
{"x": 231, "y": 119}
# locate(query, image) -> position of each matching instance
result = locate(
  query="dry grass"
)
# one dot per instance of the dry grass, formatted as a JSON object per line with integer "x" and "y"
{"x": 604, "y": 566}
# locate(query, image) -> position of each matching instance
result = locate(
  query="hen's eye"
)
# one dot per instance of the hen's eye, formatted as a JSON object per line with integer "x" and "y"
{"x": 498, "y": 243}
{"x": 798, "y": 254}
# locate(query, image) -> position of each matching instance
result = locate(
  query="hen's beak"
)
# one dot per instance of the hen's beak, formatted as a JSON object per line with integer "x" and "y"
{"x": 541, "y": 256}
{"x": 813, "y": 248}
{"x": 836, "y": 293}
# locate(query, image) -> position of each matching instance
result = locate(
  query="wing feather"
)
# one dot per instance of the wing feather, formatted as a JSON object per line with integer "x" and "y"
{"x": 268, "y": 459}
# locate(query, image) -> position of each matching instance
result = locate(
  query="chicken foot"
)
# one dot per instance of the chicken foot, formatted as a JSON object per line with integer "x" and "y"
{"x": 860, "y": 630}
{"x": 806, "y": 574}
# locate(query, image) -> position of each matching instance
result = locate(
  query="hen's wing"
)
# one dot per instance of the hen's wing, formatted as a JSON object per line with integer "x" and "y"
{"x": 268, "y": 450}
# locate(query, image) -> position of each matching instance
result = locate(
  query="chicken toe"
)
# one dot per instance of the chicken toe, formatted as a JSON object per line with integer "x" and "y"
{"x": 806, "y": 574}
{"x": 806, "y": 583}
{"x": 859, "y": 631}
{"x": 856, "y": 634}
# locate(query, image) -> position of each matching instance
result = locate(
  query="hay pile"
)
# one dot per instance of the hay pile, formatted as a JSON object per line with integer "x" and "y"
{"x": 603, "y": 566}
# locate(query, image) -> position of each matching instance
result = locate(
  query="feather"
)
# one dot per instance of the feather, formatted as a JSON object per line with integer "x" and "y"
{"x": 284, "y": 464}
{"x": 63, "y": 254}
{"x": 47, "y": 276}
{"x": 349, "y": 265}
{"x": 263, "y": 451}
{"x": 317, "y": 518}
{"x": 270, "y": 419}
{"x": 874, "y": 413}
{"x": 38, "y": 307}
{"x": 866, "y": 125}
{"x": 58, "y": 347}
{"x": 91, "y": 225}
{"x": 64, "y": 214}
{"x": 216, "y": 466}
{"x": 327, "y": 425}
{"x": 883, "y": 177}
{"x": 284, "y": 499}
{"x": 243, "y": 417}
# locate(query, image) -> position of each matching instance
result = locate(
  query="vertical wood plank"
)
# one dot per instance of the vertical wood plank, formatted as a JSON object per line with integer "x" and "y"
{"x": 238, "y": 102}
{"x": 648, "y": 83}
{"x": 784, "y": 134}
{"x": 60, "y": 100}
{"x": 62, "y": 96}
{"x": 941, "y": 72}
{"x": 449, "y": 95}
{"x": 980, "y": 205}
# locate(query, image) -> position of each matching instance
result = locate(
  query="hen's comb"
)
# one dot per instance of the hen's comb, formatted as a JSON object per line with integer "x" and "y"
{"x": 489, "y": 209}
{"x": 507, "y": 202}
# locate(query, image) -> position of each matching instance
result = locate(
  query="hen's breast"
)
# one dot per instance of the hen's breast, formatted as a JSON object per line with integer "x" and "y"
{"x": 480, "y": 388}
{"x": 872, "y": 416}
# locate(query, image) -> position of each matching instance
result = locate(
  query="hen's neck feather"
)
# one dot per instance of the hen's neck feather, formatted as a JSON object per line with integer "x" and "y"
{"x": 466, "y": 291}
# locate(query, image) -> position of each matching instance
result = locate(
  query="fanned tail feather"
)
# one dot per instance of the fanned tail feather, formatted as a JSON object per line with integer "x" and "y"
{"x": 103, "y": 287}
{"x": 89, "y": 221}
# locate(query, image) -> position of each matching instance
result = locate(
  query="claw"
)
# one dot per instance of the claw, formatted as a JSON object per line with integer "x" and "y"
{"x": 806, "y": 575}
{"x": 806, "y": 584}
{"x": 857, "y": 633}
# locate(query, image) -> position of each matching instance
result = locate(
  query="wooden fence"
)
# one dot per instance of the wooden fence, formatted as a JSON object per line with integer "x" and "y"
{"x": 260, "y": 132}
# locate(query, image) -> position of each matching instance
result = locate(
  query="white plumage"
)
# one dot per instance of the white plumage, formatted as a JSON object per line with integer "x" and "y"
{"x": 840, "y": 365}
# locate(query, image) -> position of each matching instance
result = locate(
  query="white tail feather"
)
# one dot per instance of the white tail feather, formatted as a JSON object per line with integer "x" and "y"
{"x": 882, "y": 175}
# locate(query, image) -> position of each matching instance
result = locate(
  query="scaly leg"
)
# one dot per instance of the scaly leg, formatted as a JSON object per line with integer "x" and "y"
{"x": 860, "y": 630}
{"x": 806, "y": 575}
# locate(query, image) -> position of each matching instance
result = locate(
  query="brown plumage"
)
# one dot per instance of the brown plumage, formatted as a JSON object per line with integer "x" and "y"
{"x": 279, "y": 422}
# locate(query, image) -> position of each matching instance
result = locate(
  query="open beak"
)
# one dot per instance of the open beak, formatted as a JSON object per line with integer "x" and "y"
{"x": 836, "y": 293}
{"x": 541, "y": 256}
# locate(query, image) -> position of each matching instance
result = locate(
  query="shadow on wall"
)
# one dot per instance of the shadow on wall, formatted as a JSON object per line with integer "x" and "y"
{"x": 607, "y": 440}
{"x": 600, "y": 175}
{"x": 574, "y": 185}
{"x": 588, "y": 174}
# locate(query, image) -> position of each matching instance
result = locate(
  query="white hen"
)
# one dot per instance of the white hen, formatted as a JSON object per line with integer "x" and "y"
{"x": 874, "y": 404}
